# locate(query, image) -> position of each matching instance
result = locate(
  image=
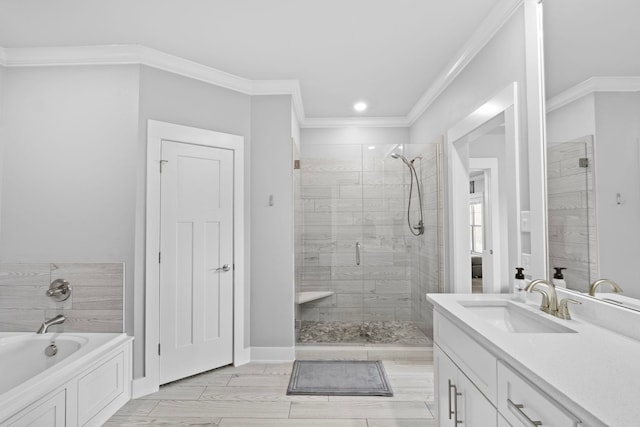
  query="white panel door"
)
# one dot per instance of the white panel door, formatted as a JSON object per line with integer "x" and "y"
{"x": 196, "y": 268}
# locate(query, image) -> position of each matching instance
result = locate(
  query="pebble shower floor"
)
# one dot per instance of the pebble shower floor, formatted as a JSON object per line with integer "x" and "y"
{"x": 374, "y": 332}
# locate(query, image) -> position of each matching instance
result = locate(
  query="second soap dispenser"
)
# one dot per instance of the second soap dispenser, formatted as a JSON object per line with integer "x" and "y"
{"x": 558, "y": 278}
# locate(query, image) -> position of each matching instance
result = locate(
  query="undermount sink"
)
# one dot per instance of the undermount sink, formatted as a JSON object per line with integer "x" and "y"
{"x": 510, "y": 317}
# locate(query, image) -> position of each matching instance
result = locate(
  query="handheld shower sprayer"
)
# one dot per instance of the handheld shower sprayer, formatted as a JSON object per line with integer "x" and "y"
{"x": 412, "y": 172}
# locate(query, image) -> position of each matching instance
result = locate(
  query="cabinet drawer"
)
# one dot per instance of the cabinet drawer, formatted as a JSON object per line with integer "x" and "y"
{"x": 521, "y": 403}
{"x": 476, "y": 362}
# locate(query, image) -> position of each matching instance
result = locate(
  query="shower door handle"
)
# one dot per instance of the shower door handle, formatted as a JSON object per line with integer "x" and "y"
{"x": 357, "y": 253}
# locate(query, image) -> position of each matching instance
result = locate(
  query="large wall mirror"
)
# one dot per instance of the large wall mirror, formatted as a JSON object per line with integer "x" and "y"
{"x": 592, "y": 72}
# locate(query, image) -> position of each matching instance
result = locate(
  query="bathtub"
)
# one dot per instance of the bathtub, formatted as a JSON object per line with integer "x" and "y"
{"x": 86, "y": 381}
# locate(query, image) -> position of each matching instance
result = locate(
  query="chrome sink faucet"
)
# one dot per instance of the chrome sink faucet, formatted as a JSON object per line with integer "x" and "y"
{"x": 594, "y": 286}
{"x": 549, "y": 297}
{"x": 53, "y": 321}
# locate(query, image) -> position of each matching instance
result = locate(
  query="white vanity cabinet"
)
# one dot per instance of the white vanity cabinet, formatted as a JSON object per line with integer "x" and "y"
{"x": 459, "y": 401}
{"x": 475, "y": 388}
{"x": 524, "y": 405}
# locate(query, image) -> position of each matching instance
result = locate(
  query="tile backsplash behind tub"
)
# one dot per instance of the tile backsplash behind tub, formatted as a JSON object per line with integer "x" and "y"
{"x": 96, "y": 303}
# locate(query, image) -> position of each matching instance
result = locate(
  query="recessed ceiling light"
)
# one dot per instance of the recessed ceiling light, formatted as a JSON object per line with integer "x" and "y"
{"x": 360, "y": 106}
{"x": 371, "y": 147}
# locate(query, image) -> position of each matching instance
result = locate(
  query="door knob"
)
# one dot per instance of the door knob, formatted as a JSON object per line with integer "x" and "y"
{"x": 224, "y": 268}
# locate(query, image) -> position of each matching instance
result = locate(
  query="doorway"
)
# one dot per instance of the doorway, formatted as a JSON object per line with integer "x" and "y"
{"x": 194, "y": 236}
{"x": 484, "y": 224}
{"x": 196, "y": 259}
{"x": 487, "y": 141}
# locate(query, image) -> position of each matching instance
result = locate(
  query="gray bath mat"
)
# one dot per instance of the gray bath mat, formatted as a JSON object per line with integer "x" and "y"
{"x": 339, "y": 378}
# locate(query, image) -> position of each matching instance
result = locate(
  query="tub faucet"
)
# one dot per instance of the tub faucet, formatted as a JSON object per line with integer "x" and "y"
{"x": 549, "y": 297}
{"x": 53, "y": 321}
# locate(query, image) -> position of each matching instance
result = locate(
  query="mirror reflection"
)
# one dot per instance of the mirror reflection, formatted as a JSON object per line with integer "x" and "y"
{"x": 593, "y": 139}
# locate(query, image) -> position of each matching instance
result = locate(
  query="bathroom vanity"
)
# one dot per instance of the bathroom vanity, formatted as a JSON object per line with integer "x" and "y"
{"x": 505, "y": 363}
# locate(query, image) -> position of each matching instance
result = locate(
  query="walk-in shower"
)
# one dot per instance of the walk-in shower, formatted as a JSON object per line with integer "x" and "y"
{"x": 361, "y": 277}
{"x": 419, "y": 229}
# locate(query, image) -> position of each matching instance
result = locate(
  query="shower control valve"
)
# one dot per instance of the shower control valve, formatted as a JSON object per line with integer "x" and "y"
{"x": 59, "y": 290}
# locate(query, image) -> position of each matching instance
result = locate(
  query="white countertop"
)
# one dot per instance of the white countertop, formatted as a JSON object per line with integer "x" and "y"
{"x": 594, "y": 370}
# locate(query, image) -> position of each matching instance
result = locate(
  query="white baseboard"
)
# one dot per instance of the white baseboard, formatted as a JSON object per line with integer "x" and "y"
{"x": 242, "y": 357}
{"x": 142, "y": 387}
{"x": 147, "y": 385}
{"x": 273, "y": 354}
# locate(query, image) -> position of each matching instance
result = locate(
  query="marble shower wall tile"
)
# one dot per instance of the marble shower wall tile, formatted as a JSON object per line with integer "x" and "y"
{"x": 348, "y": 200}
{"x": 96, "y": 303}
{"x": 572, "y": 234}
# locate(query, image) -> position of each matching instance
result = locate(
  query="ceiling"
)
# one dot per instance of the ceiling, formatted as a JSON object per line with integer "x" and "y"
{"x": 384, "y": 52}
{"x": 586, "y": 38}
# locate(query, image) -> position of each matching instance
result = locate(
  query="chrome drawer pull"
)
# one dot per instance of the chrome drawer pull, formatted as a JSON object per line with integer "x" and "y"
{"x": 516, "y": 409}
{"x": 450, "y": 387}
{"x": 455, "y": 403}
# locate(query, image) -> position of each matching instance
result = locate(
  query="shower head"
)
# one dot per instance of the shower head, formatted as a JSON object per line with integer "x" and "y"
{"x": 401, "y": 157}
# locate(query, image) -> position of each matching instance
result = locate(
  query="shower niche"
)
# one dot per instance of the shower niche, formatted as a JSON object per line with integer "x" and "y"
{"x": 361, "y": 272}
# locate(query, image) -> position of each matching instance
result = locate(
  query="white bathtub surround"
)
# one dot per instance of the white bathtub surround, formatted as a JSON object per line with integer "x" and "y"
{"x": 84, "y": 384}
{"x": 586, "y": 373}
{"x": 96, "y": 303}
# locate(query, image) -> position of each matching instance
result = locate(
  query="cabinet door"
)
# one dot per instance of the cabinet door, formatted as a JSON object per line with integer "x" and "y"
{"x": 50, "y": 413}
{"x": 523, "y": 404}
{"x": 474, "y": 410}
{"x": 446, "y": 376}
{"x": 502, "y": 422}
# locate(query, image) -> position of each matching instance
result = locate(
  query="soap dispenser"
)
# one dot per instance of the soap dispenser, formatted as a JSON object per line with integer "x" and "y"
{"x": 519, "y": 284}
{"x": 558, "y": 278}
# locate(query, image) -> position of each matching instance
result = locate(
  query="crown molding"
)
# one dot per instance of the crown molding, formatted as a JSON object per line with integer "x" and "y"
{"x": 342, "y": 122}
{"x": 591, "y": 85}
{"x": 142, "y": 55}
{"x": 496, "y": 19}
{"x": 282, "y": 87}
{"x": 124, "y": 55}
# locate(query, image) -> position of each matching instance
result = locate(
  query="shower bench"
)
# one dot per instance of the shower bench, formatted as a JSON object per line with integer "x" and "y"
{"x": 303, "y": 297}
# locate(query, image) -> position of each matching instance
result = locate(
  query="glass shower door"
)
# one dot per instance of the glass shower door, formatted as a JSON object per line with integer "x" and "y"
{"x": 364, "y": 274}
{"x": 570, "y": 206}
{"x": 398, "y": 265}
{"x": 332, "y": 244}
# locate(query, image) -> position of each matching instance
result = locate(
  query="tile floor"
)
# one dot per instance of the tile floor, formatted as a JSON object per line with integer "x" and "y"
{"x": 255, "y": 395}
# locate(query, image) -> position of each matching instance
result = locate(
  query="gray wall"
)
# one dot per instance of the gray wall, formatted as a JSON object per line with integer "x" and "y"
{"x": 272, "y": 258}
{"x": 69, "y": 164}
{"x": 500, "y": 63}
{"x": 68, "y": 189}
{"x": 617, "y": 170}
{"x": 355, "y": 135}
{"x": 613, "y": 120}
{"x": 175, "y": 99}
{"x": 73, "y": 187}
{"x": 2, "y": 137}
